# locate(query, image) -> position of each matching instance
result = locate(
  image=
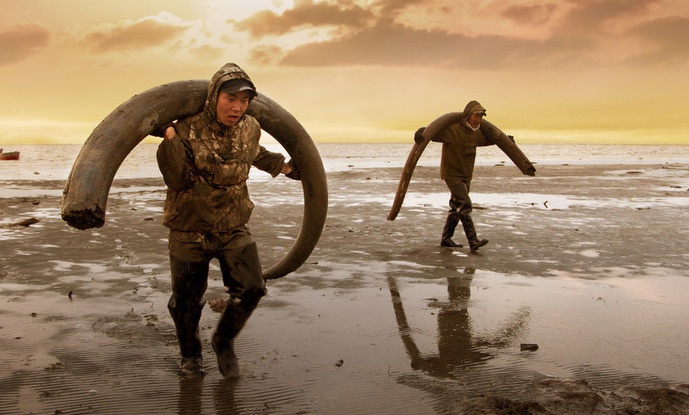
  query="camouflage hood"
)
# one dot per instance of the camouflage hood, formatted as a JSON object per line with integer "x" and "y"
{"x": 228, "y": 72}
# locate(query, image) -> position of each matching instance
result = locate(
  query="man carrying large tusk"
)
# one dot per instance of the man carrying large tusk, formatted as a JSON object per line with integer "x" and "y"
{"x": 205, "y": 160}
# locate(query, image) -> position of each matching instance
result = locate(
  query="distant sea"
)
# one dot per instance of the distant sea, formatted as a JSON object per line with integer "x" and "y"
{"x": 54, "y": 162}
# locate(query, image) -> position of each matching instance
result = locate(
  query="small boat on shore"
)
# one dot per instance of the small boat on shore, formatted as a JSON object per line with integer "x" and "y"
{"x": 10, "y": 155}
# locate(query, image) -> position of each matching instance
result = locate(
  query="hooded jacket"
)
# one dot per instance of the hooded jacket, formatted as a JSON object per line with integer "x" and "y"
{"x": 459, "y": 146}
{"x": 206, "y": 165}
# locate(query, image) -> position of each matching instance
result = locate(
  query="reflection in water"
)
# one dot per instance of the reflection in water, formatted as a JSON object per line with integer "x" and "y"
{"x": 190, "y": 398}
{"x": 458, "y": 346}
{"x": 190, "y": 391}
{"x": 224, "y": 397}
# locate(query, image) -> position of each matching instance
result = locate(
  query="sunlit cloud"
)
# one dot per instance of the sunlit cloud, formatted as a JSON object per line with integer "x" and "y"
{"x": 146, "y": 32}
{"x": 266, "y": 54}
{"x": 490, "y": 34}
{"x": 21, "y": 42}
{"x": 488, "y": 18}
{"x": 666, "y": 40}
{"x": 576, "y": 65}
{"x": 306, "y": 13}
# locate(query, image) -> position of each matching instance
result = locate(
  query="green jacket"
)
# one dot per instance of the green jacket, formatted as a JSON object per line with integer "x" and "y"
{"x": 459, "y": 147}
{"x": 207, "y": 164}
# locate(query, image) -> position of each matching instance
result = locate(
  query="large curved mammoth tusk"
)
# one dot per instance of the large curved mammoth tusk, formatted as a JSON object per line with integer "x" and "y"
{"x": 414, "y": 155}
{"x": 86, "y": 192}
{"x": 492, "y": 133}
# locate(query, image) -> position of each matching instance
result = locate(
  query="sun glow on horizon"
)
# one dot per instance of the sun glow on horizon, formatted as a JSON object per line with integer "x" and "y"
{"x": 359, "y": 71}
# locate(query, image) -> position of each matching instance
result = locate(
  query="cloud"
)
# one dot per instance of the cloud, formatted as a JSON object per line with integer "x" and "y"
{"x": 530, "y": 14}
{"x": 306, "y": 13}
{"x": 266, "y": 54}
{"x": 393, "y": 44}
{"x": 620, "y": 31}
{"x": 490, "y": 35}
{"x": 143, "y": 33}
{"x": 667, "y": 38}
{"x": 21, "y": 42}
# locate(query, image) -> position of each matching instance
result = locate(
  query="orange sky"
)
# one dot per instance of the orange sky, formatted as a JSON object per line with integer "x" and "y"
{"x": 549, "y": 70}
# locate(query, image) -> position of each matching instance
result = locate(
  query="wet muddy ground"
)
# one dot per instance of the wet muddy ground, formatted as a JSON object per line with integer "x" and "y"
{"x": 587, "y": 264}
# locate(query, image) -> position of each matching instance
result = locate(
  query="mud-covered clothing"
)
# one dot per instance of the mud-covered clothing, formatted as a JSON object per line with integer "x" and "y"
{"x": 207, "y": 208}
{"x": 206, "y": 169}
{"x": 459, "y": 151}
{"x": 206, "y": 165}
{"x": 238, "y": 273}
{"x": 189, "y": 270}
{"x": 457, "y": 168}
{"x": 460, "y": 202}
{"x": 459, "y": 146}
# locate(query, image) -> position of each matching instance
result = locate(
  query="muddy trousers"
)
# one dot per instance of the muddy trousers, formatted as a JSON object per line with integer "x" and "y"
{"x": 460, "y": 211}
{"x": 189, "y": 266}
{"x": 234, "y": 317}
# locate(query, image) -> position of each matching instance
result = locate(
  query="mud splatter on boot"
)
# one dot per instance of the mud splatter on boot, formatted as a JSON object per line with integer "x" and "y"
{"x": 449, "y": 230}
{"x": 228, "y": 364}
{"x": 470, "y": 232}
{"x": 192, "y": 366}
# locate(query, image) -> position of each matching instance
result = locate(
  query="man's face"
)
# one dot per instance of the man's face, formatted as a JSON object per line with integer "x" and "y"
{"x": 475, "y": 119}
{"x": 231, "y": 107}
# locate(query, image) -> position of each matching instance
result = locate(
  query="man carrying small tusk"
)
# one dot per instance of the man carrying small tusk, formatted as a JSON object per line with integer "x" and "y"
{"x": 456, "y": 168}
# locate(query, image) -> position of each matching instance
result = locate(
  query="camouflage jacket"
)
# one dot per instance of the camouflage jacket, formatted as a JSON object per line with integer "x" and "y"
{"x": 207, "y": 164}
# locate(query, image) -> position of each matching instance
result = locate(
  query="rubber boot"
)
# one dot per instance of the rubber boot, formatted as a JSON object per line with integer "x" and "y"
{"x": 234, "y": 317}
{"x": 449, "y": 230}
{"x": 470, "y": 232}
{"x": 186, "y": 317}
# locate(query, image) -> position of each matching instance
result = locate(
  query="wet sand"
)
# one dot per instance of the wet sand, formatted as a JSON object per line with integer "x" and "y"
{"x": 586, "y": 262}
